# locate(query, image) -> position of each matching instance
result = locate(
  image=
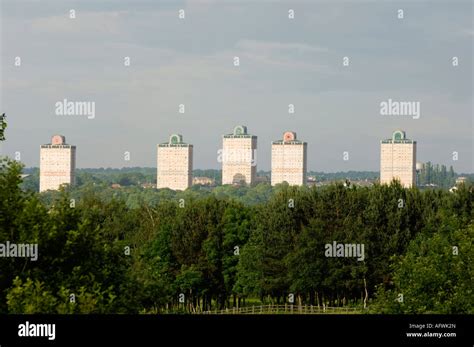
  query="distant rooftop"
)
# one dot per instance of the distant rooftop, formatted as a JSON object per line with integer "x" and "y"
{"x": 289, "y": 137}
{"x": 240, "y": 131}
{"x": 398, "y": 136}
{"x": 175, "y": 140}
{"x": 57, "y": 140}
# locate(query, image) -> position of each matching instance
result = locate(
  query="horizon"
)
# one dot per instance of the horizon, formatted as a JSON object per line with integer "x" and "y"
{"x": 207, "y": 169}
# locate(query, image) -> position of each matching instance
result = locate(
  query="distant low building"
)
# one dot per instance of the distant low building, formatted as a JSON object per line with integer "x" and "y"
{"x": 204, "y": 181}
{"x": 363, "y": 183}
{"x": 461, "y": 180}
{"x": 311, "y": 179}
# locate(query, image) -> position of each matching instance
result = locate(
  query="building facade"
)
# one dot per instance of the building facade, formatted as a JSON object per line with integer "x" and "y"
{"x": 398, "y": 160}
{"x": 289, "y": 160}
{"x": 175, "y": 164}
{"x": 239, "y": 157}
{"x": 57, "y": 164}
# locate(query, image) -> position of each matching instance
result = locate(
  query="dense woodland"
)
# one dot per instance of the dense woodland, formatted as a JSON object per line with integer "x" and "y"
{"x": 213, "y": 251}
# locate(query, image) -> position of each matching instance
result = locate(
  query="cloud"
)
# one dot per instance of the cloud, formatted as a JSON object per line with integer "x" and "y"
{"x": 468, "y": 32}
{"x": 85, "y": 24}
{"x": 269, "y": 47}
{"x": 281, "y": 54}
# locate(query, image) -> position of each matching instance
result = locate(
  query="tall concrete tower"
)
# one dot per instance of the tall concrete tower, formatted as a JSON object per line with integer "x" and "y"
{"x": 289, "y": 160}
{"x": 398, "y": 160}
{"x": 175, "y": 164}
{"x": 239, "y": 157}
{"x": 57, "y": 164}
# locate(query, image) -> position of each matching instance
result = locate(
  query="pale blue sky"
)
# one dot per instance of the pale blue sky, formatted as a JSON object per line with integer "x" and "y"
{"x": 282, "y": 61}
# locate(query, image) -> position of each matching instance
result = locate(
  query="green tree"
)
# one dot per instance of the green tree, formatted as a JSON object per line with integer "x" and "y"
{"x": 3, "y": 126}
{"x": 435, "y": 276}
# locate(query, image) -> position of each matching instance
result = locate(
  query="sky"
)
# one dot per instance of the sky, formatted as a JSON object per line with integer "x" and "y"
{"x": 283, "y": 61}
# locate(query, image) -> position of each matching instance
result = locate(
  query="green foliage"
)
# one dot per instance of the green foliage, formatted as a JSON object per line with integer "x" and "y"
{"x": 433, "y": 276}
{"x": 437, "y": 175}
{"x": 30, "y": 297}
{"x": 80, "y": 249}
{"x": 34, "y": 297}
{"x": 342, "y": 176}
{"x": 3, "y": 126}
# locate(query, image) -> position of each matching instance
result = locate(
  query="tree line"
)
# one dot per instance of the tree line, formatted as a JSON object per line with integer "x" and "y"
{"x": 211, "y": 253}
